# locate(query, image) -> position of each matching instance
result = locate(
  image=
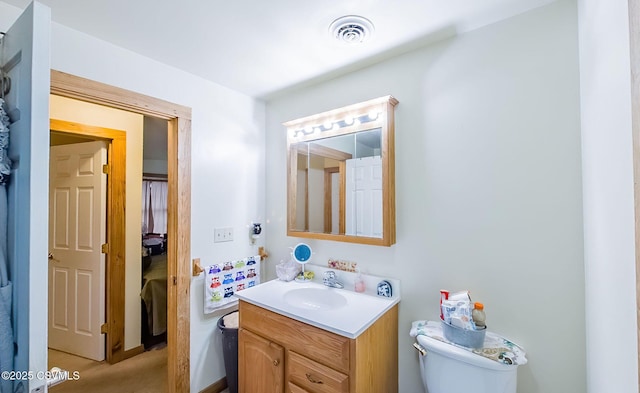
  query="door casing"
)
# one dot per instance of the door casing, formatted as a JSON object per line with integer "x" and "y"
{"x": 178, "y": 216}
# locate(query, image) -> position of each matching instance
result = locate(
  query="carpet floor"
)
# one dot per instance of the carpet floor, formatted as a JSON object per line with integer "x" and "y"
{"x": 144, "y": 373}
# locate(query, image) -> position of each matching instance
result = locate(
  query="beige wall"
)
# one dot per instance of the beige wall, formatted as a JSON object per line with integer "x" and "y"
{"x": 488, "y": 186}
{"x": 95, "y": 115}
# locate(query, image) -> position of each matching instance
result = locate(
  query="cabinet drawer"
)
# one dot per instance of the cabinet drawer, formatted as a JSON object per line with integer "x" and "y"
{"x": 293, "y": 388}
{"x": 317, "y": 344}
{"x": 315, "y": 377}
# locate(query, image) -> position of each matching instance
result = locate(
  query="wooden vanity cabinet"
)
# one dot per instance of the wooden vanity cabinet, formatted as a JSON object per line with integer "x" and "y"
{"x": 279, "y": 354}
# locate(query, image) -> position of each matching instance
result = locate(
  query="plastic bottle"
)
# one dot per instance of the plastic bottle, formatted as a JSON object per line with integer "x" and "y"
{"x": 478, "y": 315}
{"x": 444, "y": 295}
{"x": 359, "y": 283}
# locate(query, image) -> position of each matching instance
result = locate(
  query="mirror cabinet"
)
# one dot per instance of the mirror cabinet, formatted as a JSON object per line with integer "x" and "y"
{"x": 341, "y": 174}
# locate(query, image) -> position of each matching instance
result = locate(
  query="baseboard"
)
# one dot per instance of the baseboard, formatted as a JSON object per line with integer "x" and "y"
{"x": 216, "y": 387}
{"x": 129, "y": 353}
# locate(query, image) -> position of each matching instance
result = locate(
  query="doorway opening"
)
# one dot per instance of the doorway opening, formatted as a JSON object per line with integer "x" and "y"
{"x": 154, "y": 233}
{"x": 72, "y": 346}
{"x": 178, "y": 120}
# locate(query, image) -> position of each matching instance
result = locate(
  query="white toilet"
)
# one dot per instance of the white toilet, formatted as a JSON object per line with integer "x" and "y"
{"x": 449, "y": 369}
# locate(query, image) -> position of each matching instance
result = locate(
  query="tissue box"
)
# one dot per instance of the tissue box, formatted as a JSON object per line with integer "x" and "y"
{"x": 466, "y": 338}
{"x": 287, "y": 272}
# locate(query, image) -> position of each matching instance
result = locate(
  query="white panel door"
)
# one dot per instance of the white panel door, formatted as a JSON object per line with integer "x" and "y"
{"x": 77, "y": 229}
{"x": 364, "y": 197}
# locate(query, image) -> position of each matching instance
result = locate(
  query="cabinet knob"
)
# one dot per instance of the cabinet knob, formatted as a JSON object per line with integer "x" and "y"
{"x": 276, "y": 362}
{"x": 312, "y": 379}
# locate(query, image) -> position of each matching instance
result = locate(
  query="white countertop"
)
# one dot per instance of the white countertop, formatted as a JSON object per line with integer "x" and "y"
{"x": 360, "y": 312}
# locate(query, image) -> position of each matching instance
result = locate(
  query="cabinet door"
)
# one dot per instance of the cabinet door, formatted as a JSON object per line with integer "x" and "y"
{"x": 260, "y": 364}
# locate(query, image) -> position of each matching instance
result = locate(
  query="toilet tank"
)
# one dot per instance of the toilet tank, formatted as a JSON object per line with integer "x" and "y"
{"x": 448, "y": 369}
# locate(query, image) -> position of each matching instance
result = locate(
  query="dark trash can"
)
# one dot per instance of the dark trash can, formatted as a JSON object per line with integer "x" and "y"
{"x": 230, "y": 350}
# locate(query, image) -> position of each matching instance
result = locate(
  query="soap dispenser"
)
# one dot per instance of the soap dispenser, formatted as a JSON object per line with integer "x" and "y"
{"x": 359, "y": 283}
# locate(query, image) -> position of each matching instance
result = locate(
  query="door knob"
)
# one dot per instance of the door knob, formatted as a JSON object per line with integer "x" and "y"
{"x": 50, "y": 257}
{"x": 276, "y": 362}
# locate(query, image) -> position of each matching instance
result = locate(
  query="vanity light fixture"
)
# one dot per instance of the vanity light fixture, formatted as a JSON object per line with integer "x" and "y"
{"x": 334, "y": 125}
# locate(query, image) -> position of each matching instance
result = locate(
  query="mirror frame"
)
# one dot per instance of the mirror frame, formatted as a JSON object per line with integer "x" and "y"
{"x": 307, "y": 129}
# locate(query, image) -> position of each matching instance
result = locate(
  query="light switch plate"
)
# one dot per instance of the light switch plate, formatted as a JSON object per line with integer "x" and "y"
{"x": 222, "y": 235}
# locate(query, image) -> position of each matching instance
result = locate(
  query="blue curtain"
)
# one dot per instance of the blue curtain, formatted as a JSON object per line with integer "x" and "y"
{"x": 6, "y": 329}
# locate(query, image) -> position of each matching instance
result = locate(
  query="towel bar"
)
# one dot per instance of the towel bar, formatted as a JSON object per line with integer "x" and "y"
{"x": 197, "y": 269}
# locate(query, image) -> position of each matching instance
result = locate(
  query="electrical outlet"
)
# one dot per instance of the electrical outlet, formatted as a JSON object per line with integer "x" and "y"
{"x": 222, "y": 235}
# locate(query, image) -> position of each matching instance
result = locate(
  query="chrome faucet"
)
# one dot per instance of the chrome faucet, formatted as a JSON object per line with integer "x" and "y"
{"x": 330, "y": 280}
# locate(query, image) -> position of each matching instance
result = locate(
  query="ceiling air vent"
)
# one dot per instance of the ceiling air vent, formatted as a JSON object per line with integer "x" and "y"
{"x": 351, "y": 29}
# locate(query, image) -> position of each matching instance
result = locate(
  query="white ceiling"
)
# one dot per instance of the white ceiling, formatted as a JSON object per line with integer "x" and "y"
{"x": 262, "y": 47}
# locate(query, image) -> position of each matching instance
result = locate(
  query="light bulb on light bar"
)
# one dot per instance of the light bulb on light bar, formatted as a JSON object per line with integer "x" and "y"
{"x": 373, "y": 115}
{"x": 357, "y": 122}
{"x": 308, "y": 130}
{"x": 348, "y": 121}
{"x": 327, "y": 125}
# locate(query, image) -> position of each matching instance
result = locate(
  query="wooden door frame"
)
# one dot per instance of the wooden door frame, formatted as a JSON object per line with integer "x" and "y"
{"x": 179, "y": 206}
{"x": 328, "y": 192}
{"x": 116, "y": 230}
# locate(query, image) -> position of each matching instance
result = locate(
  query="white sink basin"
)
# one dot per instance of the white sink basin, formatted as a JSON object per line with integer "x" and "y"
{"x": 315, "y": 299}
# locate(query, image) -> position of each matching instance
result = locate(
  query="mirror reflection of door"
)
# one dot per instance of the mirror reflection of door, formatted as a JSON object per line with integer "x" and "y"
{"x": 364, "y": 196}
